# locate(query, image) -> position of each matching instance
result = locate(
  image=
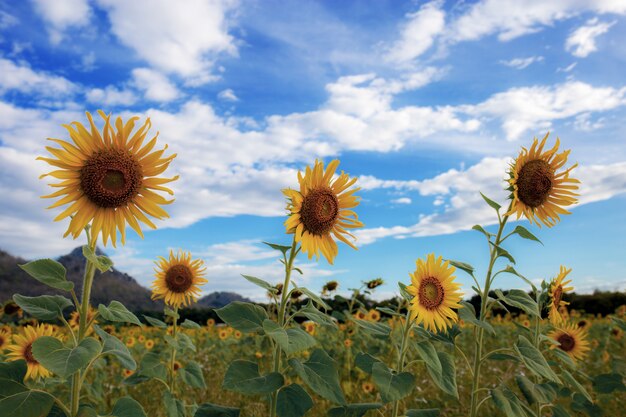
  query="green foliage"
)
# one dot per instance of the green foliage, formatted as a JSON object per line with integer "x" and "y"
{"x": 113, "y": 346}
{"x": 353, "y": 410}
{"x": 245, "y": 317}
{"x": 44, "y": 307}
{"x": 321, "y": 375}
{"x": 116, "y": 312}
{"x": 102, "y": 262}
{"x": 243, "y": 376}
{"x": 293, "y": 401}
{"x": 392, "y": 386}
{"x": 49, "y": 272}
{"x": 63, "y": 360}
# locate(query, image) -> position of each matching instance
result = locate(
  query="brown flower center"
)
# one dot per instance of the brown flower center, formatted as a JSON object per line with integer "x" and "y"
{"x": 28, "y": 354}
{"x": 11, "y": 308}
{"x": 431, "y": 293}
{"x": 111, "y": 178}
{"x": 178, "y": 278}
{"x": 534, "y": 182}
{"x": 320, "y": 210}
{"x": 556, "y": 298}
{"x": 567, "y": 342}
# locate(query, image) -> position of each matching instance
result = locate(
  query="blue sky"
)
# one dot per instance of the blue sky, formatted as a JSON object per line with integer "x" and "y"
{"x": 426, "y": 102}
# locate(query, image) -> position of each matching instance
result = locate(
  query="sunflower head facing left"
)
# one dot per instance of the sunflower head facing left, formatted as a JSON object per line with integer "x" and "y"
{"x": 178, "y": 279}
{"x": 558, "y": 287}
{"x": 321, "y": 209}
{"x": 109, "y": 178}
{"x": 538, "y": 190}
{"x": 434, "y": 293}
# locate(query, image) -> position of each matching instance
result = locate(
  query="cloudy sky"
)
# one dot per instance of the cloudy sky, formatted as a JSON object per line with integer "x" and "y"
{"x": 426, "y": 102}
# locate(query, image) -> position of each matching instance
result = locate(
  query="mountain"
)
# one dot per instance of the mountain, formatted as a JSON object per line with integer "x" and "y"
{"x": 220, "y": 299}
{"x": 111, "y": 285}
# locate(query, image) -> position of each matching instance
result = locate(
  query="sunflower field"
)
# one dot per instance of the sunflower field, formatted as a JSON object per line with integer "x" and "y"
{"x": 429, "y": 353}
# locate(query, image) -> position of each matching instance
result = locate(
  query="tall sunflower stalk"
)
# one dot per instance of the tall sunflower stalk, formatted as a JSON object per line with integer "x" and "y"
{"x": 539, "y": 193}
{"x": 109, "y": 178}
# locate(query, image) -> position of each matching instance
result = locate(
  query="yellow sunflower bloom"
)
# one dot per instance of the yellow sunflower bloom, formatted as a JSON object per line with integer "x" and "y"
{"x": 22, "y": 349}
{"x": 178, "y": 278}
{"x": 74, "y": 320}
{"x": 322, "y": 207}
{"x": 109, "y": 177}
{"x": 558, "y": 287}
{"x": 572, "y": 340}
{"x": 434, "y": 293}
{"x": 538, "y": 191}
{"x": 5, "y": 338}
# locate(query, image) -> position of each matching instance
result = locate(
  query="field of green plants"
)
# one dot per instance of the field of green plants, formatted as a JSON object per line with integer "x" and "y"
{"x": 428, "y": 354}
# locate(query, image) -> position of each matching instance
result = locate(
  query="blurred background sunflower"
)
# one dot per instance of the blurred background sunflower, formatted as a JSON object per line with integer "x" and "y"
{"x": 22, "y": 349}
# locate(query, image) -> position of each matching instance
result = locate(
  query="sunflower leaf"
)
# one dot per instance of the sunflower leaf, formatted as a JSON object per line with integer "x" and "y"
{"x": 293, "y": 401}
{"x": 190, "y": 324}
{"x": 117, "y": 312}
{"x": 491, "y": 203}
{"x": 521, "y": 300}
{"x": 469, "y": 269}
{"x": 102, "y": 262}
{"x": 468, "y": 314}
{"x": 213, "y": 410}
{"x": 353, "y": 410}
{"x": 426, "y": 412}
{"x": 49, "y": 272}
{"x": 480, "y": 229}
{"x": 127, "y": 407}
{"x": 155, "y": 322}
{"x": 192, "y": 375}
{"x": 392, "y": 386}
{"x": 62, "y": 360}
{"x": 245, "y": 317}
{"x": 43, "y": 307}
{"x": 26, "y": 404}
{"x": 281, "y": 248}
{"x": 321, "y": 375}
{"x": 113, "y": 346}
{"x": 534, "y": 360}
{"x": 524, "y": 233}
{"x": 261, "y": 283}
{"x": 243, "y": 376}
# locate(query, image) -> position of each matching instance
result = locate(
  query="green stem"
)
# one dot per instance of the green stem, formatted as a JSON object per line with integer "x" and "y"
{"x": 402, "y": 355}
{"x": 90, "y": 270}
{"x": 172, "y": 386}
{"x": 484, "y": 297}
{"x": 281, "y": 319}
{"x": 536, "y": 343}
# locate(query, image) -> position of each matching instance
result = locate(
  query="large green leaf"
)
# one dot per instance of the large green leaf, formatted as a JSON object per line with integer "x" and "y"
{"x": 520, "y": 299}
{"x": 392, "y": 386}
{"x": 276, "y": 332}
{"x": 507, "y": 402}
{"x": 534, "y": 360}
{"x": 127, "y": 407}
{"x": 468, "y": 314}
{"x": 293, "y": 401}
{"x": 63, "y": 360}
{"x": 173, "y": 406}
{"x": 440, "y": 367}
{"x": 309, "y": 311}
{"x": 531, "y": 391}
{"x": 26, "y": 404}
{"x": 607, "y": 383}
{"x": 376, "y": 329}
{"x": 572, "y": 382}
{"x": 48, "y": 272}
{"x": 192, "y": 375}
{"x": 245, "y": 317}
{"x": 155, "y": 322}
{"x": 190, "y": 324}
{"x": 353, "y": 410}
{"x": 43, "y": 307}
{"x": 299, "y": 340}
{"x": 320, "y": 373}
{"x": 261, "y": 283}
{"x": 113, "y": 346}
{"x": 314, "y": 297}
{"x": 117, "y": 312}
{"x": 524, "y": 233}
{"x": 491, "y": 203}
{"x": 102, "y": 262}
{"x": 365, "y": 361}
{"x": 151, "y": 366}
{"x": 243, "y": 376}
{"x": 212, "y": 410}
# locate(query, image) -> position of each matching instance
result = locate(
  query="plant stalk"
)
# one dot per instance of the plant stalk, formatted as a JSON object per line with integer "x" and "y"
{"x": 173, "y": 357}
{"x": 402, "y": 355}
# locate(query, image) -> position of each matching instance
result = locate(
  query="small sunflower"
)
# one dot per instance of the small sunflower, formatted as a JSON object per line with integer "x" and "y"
{"x": 374, "y": 315}
{"x": 367, "y": 387}
{"x": 322, "y": 207}
{"x": 558, "y": 287}
{"x": 538, "y": 191}
{"x": 74, "y": 320}
{"x": 5, "y": 338}
{"x": 149, "y": 344}
{"x": 223, "y": 334}
{"x": 22, "y": 348}
{"x": 434, "y": 293}
{"x": 178, "y": 278}
{"x": 572, "y": 340}
{"x": 130, "y": 341}
{"x": 109, "y": 177}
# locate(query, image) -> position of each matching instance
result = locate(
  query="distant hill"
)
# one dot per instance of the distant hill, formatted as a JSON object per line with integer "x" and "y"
{"x": 112, "y": 285}
{"x": 220, "y": 299}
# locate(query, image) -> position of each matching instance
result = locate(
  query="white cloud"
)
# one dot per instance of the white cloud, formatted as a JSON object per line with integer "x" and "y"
{"x": 525, "y": 108}
{"x": 467, "y": 208}
{"x": 582, "y": 41}
{"x": 513, "y": 18}
{"x": 155, "y": 85}
{"x": 402, "y": 200}
{"x": 7, "y": 20}
{"x": 111, "y": 96}
{"x": 174, "y": 39}
{"x": 20, "y": 77}
{"x": 419, "y": 33}
{"x": 62, "y": 14}
{"x": 227, "y": 95}
{"x": 521, "y": 63}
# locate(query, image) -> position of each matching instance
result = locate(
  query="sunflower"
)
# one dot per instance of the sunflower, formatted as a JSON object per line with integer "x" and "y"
{"x": 223, "y": 334}
{"x": 5, "y": 338}
{"x": 178, "y": 278}
{"x": 149, "y": 344}
{"x": 557, "y": 289}
{"x": 130, "y": 341}
{"x": 374, "y": 315}
{"x": 109, "y": 177}
{"x": 538, "y": 191}
{"x": 572, "y": 340}
{"x": 74, "y": 320}
{"x": 22, "y": 348}
{"x": 434, "y": 293}
{"x": 322, "y": 207}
